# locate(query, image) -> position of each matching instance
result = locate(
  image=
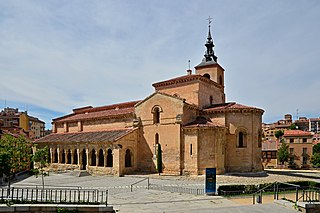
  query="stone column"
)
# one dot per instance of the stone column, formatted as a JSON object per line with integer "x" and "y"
{"x": 51, "y": 155}
{"x": 88, "y": 160}
{"x": 97, "y": 158}
{"x": 78, "y": 153}
{"x": 118, "y": 162}
{"x": 105, "y": 153}
{"x": 58, "y": 154}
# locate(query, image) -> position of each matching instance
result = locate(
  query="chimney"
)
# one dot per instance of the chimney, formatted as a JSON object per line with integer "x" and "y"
{"x": 189, "y": 72}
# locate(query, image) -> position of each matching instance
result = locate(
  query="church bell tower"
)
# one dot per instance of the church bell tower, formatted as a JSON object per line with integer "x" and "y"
{"x": 209, "y": 66}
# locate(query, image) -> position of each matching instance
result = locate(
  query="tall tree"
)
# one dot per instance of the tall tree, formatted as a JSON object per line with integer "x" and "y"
{"x": 279, "y": 133}
{"x": 159, "y": 159}
{"x": 41, "y": 160}
{"x": 283, "y": 152}
{"x": 15, "y": 155}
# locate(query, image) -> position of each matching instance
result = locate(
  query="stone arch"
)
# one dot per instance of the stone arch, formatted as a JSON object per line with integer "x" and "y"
{"x": 75, "y": 156}
{"x": 63, "y": 156}
{"x": 156, "y": 110}
{"x": 109, "y": 158}
{"x": 101, "y": 158}
{"x": 84, "y": 159}
{"x": 93, "y": 158}
{"x": 241, "y": 137}
{"x": 128, "y": 158}
{"x": 206, "y": 76}
{"x": 69, "y": 157}
{"x": 55, "y": 155}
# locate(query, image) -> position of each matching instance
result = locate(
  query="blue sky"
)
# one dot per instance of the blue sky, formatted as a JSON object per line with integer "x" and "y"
{"x": 59, "y": 55}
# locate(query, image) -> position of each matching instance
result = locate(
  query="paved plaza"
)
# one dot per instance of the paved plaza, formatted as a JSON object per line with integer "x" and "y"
{"x": 143, "y": 200}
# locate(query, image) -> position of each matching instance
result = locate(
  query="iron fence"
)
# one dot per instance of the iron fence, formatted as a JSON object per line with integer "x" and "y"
{"x": 178, "y": 189}
{"x": 54, "y": 195}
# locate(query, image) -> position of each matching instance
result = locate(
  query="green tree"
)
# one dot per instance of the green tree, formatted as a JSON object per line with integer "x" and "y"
{"x": 293, "y": 126}
{"x": 279, "y": 133}
{"x": 41, "y": 160}
{"x": 159, "y": 159}
{"x": 283, "y": 152}
{"x": 15, "y": 155}
{"x": 316, "y": 149}
{"x": 315, "y": 159}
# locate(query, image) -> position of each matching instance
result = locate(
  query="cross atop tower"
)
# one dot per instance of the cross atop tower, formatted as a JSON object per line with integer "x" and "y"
{"x": 209, "y": 20}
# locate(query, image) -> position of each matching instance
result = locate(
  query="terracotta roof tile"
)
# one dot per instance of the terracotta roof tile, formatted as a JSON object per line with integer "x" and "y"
{"x": 231, "y": 105}
{"x": 98, "y": 112}
{"x": 203, "y": 122}
{"x": 182, "y": 79}
{"x": 97, "y": 136}
{"x": 296, "y": 133}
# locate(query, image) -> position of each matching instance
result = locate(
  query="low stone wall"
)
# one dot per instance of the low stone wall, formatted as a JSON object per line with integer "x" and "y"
{"x": 54, "y": 208}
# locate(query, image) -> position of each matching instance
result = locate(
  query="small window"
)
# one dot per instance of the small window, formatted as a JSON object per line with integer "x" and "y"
{"x": 206, "y": 76}
{"x": 241, "y": 140}
{"x": 211, "y": 100}
{"x": 190, "y": 149}
{"x": 304, "y": 140}
{"x": 291, "y": 151}
{"x": 291, "y": 140}
{"x": 156, "y": 114}
{"x": 304, "y": 151}
{"x": 304, "y": 160}
{"x": 274, "y": 155}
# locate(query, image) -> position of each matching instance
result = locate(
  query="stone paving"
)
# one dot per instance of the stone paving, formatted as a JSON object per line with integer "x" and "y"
{"x": 142, "y": 200}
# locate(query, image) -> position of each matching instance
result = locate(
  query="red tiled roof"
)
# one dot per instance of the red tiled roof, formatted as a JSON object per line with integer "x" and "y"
{"x": 98, "y": 112}
{"x": 97, "y": 136}
{"x": 203, "y": 122}
{"x": 231, "y": 105}
{"x": 182, "y": 79}
{"x": 296, "y": 133}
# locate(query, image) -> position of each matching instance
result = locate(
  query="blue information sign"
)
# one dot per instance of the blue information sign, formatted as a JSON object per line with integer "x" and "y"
{"x": 210, "y": 181}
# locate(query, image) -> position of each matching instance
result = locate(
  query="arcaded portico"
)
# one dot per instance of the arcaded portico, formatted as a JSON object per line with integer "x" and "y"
{"x": 103, "y": 152}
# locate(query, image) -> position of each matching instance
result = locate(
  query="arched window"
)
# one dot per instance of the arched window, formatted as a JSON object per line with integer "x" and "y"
{"x": 242, "y": 139}
{"x": 93, "y": 158}
{"x": 55, "y": 157}
{"x": 206, "y": 76}
{"x": 211, "y": 100}
{"x": 128, "y": 162}
{"x": 109, "y": 158}
{"x": 156, "y": 116}
{"x": 63, "y": 159}
{"x": 220, "y": 80}
{"x": 69, "y": 157}
{"x": 101, "y": 158}
{"x": 75, "y": 156}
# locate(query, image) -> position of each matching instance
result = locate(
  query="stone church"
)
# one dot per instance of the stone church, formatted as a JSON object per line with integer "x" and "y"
{"x": 185, "y": 126}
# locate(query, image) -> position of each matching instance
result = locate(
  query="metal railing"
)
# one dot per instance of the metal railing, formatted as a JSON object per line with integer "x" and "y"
{"x": 310, "y": 195}
{"x": 178, "y": 189}
{"x": 54, "y": 195}
{"x": 144, "y": 179}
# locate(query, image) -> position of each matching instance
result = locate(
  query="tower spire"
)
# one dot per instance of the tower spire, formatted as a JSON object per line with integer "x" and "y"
{"x": 209, "y": 53}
